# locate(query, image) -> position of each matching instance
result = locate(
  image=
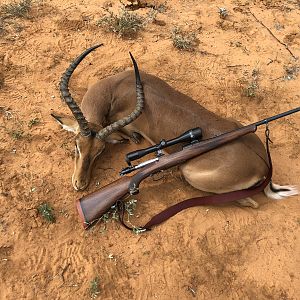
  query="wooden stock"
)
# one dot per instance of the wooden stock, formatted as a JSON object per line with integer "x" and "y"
{"x": 93, "y": 206}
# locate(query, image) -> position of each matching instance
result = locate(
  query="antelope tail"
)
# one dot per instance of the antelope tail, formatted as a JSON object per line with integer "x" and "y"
{"x": 279, "y": 192}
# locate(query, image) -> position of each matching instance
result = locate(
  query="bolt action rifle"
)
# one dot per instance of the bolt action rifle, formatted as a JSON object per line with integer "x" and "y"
{"x": 93, "y": 206}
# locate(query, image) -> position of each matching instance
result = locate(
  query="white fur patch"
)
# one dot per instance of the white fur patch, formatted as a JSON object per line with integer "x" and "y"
{"x": 68, "y": 128}
{"x": 291, "y": 190}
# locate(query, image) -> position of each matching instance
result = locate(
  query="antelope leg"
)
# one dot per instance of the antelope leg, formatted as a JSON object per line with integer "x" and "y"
{"x": 248, "y": 202}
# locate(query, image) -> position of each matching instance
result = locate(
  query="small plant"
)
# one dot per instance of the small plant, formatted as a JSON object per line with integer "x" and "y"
{"x": 6, "y": 112}
{"x": 223, "y": 13}
{"x": 114, "y": 213}
{"x": 291, "y": 72}
{"x": 17, "y": 134}
{"x": 15, "y": 9}
{"x": 251, "y": 89}
{"x": 94, "y": 288}
{"x": 138, "y": 230}
{"x": 125, "y": 24}
{"x": 33, "y": 122}
{"x": 46, "y": 211}
{"x": 130, "y": 207}
{"x": 161, "y": 8}
{"x": 183, "y": 40}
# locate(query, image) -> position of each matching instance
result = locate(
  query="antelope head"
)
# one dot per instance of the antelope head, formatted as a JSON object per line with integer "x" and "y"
{"x": 90, "y": 138}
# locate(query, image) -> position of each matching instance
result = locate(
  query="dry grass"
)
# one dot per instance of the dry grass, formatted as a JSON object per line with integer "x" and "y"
{"x": 9, "y": 13}
{"x": 251, "y": 87}
{"x": 124, "y": 24}
{"x": 33, "y": 122}
{"x": 15, "y": 9}
{"x": 184, "y": 40}
{"x": 17, "y": 134}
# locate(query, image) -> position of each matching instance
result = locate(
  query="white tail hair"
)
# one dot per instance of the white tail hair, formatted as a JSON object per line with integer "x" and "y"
{"x": 278, "y": 192}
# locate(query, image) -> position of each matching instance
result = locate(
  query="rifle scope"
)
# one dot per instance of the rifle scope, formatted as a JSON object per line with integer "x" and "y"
{"x": 191, "y": 135}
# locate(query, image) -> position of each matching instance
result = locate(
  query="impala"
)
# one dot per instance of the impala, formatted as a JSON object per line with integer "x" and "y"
{"x": 130, "y": 105}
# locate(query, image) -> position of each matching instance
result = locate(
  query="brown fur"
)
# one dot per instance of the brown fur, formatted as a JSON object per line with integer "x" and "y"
{"x": 168, "y": 113}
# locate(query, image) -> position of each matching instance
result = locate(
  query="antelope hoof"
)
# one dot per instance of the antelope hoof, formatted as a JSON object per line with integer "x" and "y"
{"x": 136, "y": 137}
{"x": 248, "y": 202}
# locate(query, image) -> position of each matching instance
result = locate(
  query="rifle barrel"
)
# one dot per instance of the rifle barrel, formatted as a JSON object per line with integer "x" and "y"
{"x": 267, "y": 120}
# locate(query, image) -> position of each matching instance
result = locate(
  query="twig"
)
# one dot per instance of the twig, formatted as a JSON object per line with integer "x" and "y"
{"x": 283, "y": 44}
{"x": 236, "y": 66}
{"x": 189, "y": 288}
{"x": 61, "y": 274}
{"x": 280, "y": 77}
{"x": 64, "y": 271}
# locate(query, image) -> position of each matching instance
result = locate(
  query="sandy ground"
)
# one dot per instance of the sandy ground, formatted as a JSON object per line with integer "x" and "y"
{"x": 225, "y": 252}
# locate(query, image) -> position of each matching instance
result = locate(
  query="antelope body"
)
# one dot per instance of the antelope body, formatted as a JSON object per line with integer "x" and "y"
{"x": 161, "y": 112}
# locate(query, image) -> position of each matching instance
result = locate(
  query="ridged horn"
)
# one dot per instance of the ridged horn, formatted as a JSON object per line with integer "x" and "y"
{"x": 66, "y": 96}
{"x": 103, "y": 133}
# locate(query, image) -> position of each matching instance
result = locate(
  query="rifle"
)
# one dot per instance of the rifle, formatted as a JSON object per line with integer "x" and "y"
{"x": 92, "y": 207}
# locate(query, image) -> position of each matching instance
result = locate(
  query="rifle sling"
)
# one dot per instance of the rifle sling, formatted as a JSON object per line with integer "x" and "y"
{"x": 206, "y": 200}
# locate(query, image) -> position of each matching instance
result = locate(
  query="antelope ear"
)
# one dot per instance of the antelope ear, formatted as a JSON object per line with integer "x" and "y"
{"x": 117, "y": 138}
{"x": 66, "y": 122}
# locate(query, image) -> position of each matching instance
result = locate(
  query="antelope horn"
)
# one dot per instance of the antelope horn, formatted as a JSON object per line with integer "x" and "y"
{"x": 66, "y": 96}
{"x": 103, "y": 133}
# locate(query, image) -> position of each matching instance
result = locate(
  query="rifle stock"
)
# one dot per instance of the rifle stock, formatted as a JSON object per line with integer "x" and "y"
{"x": 93, "y": 206}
